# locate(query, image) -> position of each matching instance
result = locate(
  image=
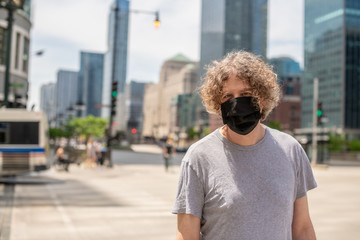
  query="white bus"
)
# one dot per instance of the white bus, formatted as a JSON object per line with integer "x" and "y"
{"x": 24, "y": 145}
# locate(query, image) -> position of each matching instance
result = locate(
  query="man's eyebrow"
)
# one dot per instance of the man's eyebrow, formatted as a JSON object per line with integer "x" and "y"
{"x": 246, "y": 90}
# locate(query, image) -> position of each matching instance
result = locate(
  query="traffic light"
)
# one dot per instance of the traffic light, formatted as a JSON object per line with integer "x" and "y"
{"x": 114, "y": 89}
{"x": 113, "y": 97}
{"x": 133, "y": 131}
{"x": 319, "y": 113}
{"x": 157, "y": 20}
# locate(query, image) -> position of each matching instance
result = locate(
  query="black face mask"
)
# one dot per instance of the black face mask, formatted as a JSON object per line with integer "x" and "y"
{"x": 240, "y": 114}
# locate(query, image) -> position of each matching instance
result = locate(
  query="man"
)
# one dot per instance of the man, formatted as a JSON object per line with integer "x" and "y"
{"x": 244, "y": 181}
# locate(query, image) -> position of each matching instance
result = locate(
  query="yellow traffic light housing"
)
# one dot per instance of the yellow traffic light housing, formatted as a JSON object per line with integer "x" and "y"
{"x": 157, "y": 20}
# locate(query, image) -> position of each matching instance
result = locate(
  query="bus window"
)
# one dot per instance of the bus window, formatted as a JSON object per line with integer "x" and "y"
{"x": 3, "y": 129}
{"x": 19, "y": 133}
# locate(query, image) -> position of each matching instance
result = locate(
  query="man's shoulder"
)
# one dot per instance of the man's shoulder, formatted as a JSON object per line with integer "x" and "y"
{"x": 202, "y": 147}
{"x": 282, "y": 138}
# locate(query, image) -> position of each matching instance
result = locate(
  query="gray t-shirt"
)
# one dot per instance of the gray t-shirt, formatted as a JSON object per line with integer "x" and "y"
{"x": 244, "y": 192}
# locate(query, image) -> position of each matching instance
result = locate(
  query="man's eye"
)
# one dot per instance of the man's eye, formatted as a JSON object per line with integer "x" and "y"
{"x": 247, "y": 94}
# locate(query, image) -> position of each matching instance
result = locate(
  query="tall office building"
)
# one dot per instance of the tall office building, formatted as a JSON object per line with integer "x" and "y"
{"x": 228, "y": 25}
{"x": 66, "y": 94}
{"x": 90, "y": 82}
{"x": 48, "y": 101}
{"x": 332, "y": 54}
{"x": 120, "y": 64}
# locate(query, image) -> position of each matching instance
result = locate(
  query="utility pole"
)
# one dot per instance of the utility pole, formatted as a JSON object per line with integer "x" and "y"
{"x": 113, "y": 83}
{"x": 315, "y": 118}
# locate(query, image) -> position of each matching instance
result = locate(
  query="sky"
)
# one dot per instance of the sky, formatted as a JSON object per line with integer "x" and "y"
{"x": 64, "y": 28}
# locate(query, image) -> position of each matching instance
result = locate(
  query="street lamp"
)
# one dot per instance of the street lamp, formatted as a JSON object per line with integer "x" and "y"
{"x": 157, "y": 18}
{"x": 11, "y": 6}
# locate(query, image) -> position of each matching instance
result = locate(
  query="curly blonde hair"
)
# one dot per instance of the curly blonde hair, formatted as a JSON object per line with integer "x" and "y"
{"x": 246, "y": 67}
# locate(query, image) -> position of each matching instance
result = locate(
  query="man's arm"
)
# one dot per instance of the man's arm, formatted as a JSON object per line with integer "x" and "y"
{"x": 188, "y": 227}
{"x": 302, "y": 228}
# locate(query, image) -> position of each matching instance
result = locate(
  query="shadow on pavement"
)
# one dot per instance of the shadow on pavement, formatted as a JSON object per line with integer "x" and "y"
{"x": 67, "y": 193}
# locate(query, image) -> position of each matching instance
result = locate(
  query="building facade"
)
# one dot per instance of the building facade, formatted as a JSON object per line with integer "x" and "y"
{"x": 288, "y": 112}
{"x": 332, "y": 54}
{"x": 19, "y": 62}
{"x": 66, "y": 95}
{"x": 134, "y": 104}
{"x": 183, "y": 112}
{"x": 284, "y": 67}
{"x": 48, "y": 101}
{"x": 90, "y": 83}
{"x": 178, "y": 75}
{"x": 115, "y": 67}
{"x": 228, "y": 25}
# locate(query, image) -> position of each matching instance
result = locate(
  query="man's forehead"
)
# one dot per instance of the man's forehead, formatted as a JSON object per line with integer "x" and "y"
{"x": 236, "y": 84}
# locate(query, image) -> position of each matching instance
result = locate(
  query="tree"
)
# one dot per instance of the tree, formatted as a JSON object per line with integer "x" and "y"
{"x": 274, "y": 125}
{"x": 55, "y": 133}
{"x": 86, "y": 127}
{"x": 354, "y": 145}
{"x": 337, "y": 142}
{"x": 193, "y": 133}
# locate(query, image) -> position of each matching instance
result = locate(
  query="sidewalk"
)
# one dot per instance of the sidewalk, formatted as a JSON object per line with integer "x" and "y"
{"x": 129, "y": 202}
{"x": 335, "y": 203}
{"x": 134, "y": 202}
{"x": 146, "y": 148}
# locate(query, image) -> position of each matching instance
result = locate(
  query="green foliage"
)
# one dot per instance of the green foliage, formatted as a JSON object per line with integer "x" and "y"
{"x": 55, "y": 133}
{"x": 197, "y": 133}
{"x": 206, "y": 131}
{"x": 274, "y": 125}
{"x": 86, "y": 127}
{"x": 337, "y": 142}
{"x": 354, "y": 145}
{"x": 193, "y": 133}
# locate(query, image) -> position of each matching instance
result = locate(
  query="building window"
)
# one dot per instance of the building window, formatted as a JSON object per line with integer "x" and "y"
{"x": 3, "y": 36}
{"x": 17, "y": 50}
{"x": 26, "y": 55}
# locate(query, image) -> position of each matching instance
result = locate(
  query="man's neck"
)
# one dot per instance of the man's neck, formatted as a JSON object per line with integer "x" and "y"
{"x": 252, "y": 138}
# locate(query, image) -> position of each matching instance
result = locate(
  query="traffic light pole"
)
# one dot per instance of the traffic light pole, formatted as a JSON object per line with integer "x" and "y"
{"x": 315, "y": 123}
{"x": 113, "y": 82}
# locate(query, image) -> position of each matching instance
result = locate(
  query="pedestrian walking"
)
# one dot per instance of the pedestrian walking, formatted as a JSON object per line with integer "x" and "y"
{"x": 90, "y": 154}
{"x": 244, "y": 180}
{"x": 168, "y": 152}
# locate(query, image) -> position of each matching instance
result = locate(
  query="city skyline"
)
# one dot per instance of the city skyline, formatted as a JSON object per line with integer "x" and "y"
{"x": 148, "y": 47}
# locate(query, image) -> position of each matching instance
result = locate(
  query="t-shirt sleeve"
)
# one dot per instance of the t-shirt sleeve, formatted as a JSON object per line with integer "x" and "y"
{"x": 190, "y": 194}
{"x": 304, "y": 175}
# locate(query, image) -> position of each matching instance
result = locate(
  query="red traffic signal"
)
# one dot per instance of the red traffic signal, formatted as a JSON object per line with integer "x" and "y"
{"x": 133, "y": 131}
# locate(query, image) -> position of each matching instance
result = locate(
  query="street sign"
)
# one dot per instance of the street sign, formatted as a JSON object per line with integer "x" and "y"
{"x": 17, "y": 85}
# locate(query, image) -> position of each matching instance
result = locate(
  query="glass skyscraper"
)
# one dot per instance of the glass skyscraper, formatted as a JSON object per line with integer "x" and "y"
{"x": 285, "y": 66}
{"x": 332, "y": 54}
{"x": 228, "y": 25}
{"x": 66, "y": 94}
{"x": 121, "y": 47}
{"x": 90, "y": 82}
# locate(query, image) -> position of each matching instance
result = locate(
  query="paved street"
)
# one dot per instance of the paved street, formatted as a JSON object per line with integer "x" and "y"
{"x": 134, "y": 199}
